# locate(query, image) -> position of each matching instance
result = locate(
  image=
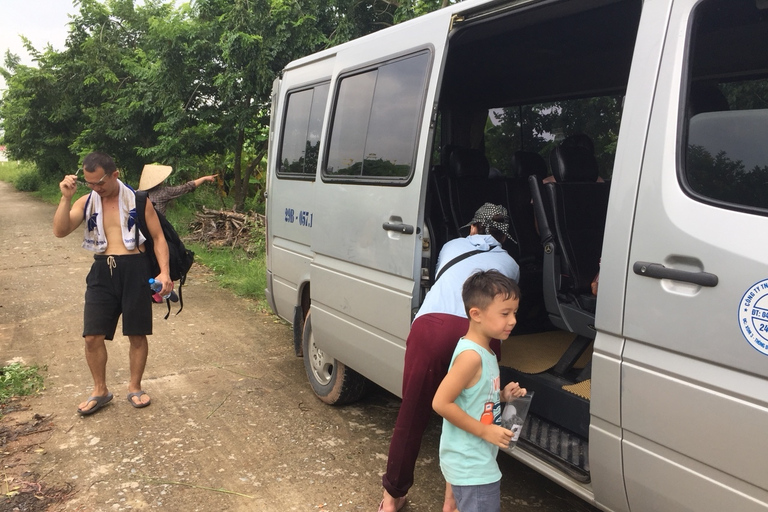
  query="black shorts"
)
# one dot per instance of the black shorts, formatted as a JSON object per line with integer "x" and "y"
{"x": 118, "y": 285}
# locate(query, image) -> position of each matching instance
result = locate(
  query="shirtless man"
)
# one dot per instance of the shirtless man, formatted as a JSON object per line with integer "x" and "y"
{"x": 118, "y": 280}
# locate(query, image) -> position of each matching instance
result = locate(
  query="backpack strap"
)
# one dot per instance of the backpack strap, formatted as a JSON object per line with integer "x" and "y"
{"x": 141, "y": 212}
{"x": 459, "y": 258}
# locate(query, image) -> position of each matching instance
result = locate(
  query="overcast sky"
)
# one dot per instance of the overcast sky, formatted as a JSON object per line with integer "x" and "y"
{"x": 40, "y": 21}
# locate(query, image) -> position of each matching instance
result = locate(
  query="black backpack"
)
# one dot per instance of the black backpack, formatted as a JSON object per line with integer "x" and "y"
{"x": 180, "y": 258}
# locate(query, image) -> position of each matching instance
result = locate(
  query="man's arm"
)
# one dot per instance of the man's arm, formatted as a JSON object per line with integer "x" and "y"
{"x": 66, "y": 219}
{"x": 161, "y": 248}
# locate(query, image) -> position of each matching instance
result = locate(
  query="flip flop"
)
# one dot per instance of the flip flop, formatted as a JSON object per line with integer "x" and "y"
{"x": 399, "y": 503}
{"x": 138, "y": 395}
{"x": 101, "y": 401}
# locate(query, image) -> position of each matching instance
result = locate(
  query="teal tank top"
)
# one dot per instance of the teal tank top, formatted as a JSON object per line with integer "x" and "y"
{"x": 464, "y": 458}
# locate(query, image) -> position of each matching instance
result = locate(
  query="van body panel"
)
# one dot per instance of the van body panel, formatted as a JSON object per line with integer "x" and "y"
{"x": 667, "y": 382}
{"x": 289, "y": 233}
{"x": 365, "y": 284}
{"x": 685, "y": 353}
{"x": 605, "y": 465}
{"x": 374, "y": 280}
{"x": 384, "y": 367}
{"x": 290, "y": 260}
{"x": 662, "y": 479}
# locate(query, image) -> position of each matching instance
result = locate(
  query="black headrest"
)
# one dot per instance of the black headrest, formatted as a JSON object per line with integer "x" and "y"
{"x": 579, "y": 139}
{"x": 467, "y": 163}
{"x": 706, "y": 97}
{"x": 573, "y": 163}
{"x": 526, "y": 163}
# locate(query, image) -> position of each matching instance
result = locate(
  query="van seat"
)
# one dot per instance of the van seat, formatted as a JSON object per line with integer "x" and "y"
{"x": 524, "y": 164}
{"x": 470, "y": 186}
{"x": 571, "y": 213}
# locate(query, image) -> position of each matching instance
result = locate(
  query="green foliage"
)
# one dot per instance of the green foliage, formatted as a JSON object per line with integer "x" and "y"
{"x": 10, "y": 171}
{"x": 150, "y": 82}
{"x": 19, "y": 380}
{"x": 28, "y": 181}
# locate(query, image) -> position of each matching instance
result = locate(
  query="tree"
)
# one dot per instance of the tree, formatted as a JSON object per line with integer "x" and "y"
{"x": 189, "y": 86}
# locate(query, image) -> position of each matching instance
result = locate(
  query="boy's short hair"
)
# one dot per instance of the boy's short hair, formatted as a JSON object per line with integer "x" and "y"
{"x": 481, "y": 288}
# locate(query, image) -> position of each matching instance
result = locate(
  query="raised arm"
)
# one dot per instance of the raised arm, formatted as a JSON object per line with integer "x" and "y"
{"x": 66, "y": 219}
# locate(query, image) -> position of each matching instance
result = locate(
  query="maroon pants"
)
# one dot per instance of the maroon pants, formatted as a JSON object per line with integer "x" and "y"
{"x": 428, "y": 353}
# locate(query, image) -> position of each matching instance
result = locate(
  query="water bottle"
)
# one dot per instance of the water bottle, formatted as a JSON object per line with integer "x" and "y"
{"x": 157, "y": 286}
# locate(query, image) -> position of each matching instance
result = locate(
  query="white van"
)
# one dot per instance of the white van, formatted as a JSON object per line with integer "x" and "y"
{"x": 652, "y": 117}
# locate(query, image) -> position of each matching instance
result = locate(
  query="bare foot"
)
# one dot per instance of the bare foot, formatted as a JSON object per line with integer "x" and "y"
{"x": 390, "y": 504}
{"x": 139, "y": 399}
{"x": 94, "y": 403}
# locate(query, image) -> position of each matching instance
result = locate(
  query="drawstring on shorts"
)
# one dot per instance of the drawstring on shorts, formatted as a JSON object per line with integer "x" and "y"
{"x": 111, "y": 263}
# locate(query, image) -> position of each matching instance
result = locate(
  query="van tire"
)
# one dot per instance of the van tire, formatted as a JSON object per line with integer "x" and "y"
{"x": 332, "y": 381}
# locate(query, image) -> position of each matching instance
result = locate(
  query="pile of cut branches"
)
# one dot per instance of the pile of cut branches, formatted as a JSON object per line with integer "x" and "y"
{"x": 227, "y": 228}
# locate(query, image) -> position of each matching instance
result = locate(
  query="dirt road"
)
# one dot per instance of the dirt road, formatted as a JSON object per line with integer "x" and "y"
{"x": 233, "y": 424}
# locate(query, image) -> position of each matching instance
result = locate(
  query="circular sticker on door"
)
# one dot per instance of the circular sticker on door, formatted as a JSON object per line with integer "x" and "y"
{"x": 753, "y": 316}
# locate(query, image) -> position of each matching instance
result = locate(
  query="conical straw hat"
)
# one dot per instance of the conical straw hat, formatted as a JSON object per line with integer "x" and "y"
{"x": 152, "y": 175}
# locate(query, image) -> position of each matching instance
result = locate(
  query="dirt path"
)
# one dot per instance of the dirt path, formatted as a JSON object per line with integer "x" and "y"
{"x": 232, "y": 425}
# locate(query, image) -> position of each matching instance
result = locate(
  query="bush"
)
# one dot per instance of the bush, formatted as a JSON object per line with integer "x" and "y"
{"x": 28, "y": 181}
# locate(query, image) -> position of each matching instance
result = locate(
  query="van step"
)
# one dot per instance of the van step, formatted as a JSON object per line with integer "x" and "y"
{"x": 558, "y": 446}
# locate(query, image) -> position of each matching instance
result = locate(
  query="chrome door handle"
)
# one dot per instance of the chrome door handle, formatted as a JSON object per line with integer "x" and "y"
{"x": 659, "y": 271}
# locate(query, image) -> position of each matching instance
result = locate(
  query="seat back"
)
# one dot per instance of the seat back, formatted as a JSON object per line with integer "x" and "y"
{"x": 579, "y": 211}
{"x": 523, "y": 165}
{"x": 579, "y": 206}
{"x": 470, "y": 185}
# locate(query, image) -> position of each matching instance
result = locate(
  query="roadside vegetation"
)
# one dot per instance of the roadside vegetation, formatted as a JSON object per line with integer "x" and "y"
{"x": 17, "y": 380}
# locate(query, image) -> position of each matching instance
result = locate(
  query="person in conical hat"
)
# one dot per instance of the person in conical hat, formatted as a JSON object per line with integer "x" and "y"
{"x": 152, "y": 178}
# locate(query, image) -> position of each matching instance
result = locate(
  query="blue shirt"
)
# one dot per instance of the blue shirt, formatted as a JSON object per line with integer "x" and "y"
{"x": 445, "y": 295}
{"x": 466, "y": 459}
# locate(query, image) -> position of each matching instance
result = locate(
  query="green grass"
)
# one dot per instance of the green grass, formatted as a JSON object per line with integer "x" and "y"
{"x": 241, "y": 272}
{"x": 10, "y": 171}
{"x": 24, "y": 177}
{"x": 19, "y": 380}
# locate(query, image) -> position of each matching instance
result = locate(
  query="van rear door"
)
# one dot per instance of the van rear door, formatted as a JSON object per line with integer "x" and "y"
{"x": 366, "y": 230}
{"x": 694, "y": 390}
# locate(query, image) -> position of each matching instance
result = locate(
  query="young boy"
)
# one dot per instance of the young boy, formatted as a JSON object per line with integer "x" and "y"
{"x": 469, "y": 397}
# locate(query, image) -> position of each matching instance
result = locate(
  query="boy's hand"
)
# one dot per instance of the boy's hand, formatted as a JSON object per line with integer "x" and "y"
{"x": 497, "y": 435}
{"x": 512, "y": 390}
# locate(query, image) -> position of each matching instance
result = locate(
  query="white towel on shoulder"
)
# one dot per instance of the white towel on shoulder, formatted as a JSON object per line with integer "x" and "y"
{"x": 95, "y": 238}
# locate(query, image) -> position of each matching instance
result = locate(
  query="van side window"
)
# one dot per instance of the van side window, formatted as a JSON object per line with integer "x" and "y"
{"x": 376, "y": 122}
{"x": 540, "y": 127}
{"x": 726, "y": 113}
{"x": 300, "y": 143}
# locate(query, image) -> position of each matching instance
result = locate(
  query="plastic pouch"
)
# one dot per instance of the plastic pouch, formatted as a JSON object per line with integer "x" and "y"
{"x": 513, "y": 417}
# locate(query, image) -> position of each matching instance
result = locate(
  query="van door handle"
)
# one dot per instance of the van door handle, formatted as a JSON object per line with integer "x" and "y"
{"x": 659, "y": 271}
{"x": 406, "y": 229}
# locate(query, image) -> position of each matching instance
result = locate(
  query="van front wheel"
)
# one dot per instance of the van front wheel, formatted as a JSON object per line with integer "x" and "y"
{"x": 331, "y": 380}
